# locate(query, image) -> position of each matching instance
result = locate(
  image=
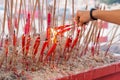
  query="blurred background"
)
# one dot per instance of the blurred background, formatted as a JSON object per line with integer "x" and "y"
{"x": 78, "y": 5}
{"x": 60, "y": 7}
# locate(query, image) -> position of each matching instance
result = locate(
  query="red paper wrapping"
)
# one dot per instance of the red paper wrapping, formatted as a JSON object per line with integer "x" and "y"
{"x": 93, "y": 50}
{"x": 6, "y": 47}
{"x": 68, "y": 43}
{"x": 49, "y": 20}
{"x": 63, "y": 30}
{"x": 36, "y": 45}
{"x": 14, "y": 39}
{"x": 42, "y": 50}
{"x": 28, "y": 44}
{"x": 51, "y": 50}
{"x": 27, "y": 25}
{"x": 23, "y": 43}
{"x": 62, "y": 27}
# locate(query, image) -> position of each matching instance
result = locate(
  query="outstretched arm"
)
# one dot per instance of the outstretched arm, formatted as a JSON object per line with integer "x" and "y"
{"x": 112, "y": 16}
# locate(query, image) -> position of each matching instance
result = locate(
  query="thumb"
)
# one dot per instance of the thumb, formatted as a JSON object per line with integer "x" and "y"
{"x": 80, "y": 24}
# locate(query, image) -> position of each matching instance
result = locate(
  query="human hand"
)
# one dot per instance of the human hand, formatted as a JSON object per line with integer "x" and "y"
{"x": 82, "y": 17}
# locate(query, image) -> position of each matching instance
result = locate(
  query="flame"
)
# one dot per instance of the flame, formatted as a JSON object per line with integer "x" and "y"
{"x": 54, "y": 34}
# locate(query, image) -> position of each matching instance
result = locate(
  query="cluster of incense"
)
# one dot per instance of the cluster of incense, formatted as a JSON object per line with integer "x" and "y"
{"x": 63, "y": 46}
{"x": 28, "y": 48}
{"x": 30, "y": 52}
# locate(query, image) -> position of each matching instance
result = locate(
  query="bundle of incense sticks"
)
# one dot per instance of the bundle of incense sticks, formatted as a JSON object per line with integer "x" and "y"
{"x": 32, "y": 51}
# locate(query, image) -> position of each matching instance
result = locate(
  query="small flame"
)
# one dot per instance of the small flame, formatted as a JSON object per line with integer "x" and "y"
{"x": 54, "y": 34}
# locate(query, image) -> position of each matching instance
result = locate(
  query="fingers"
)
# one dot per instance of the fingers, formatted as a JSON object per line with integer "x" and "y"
{"x": 78, "y": 18}
{"x": 81, "y": 22}
{"x": 82, "y": 17}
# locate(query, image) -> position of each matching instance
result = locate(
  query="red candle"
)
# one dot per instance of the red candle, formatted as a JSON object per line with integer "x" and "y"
{"x": 28, "y": 44}
{"x": 27, "y": 25}
{"x": 23, "y": 43}
{"x": 74, "y": 42}
{"x": 6, "y": 46}
{"x": 68, "y": 43}
{"x": 48, "y": 25}
{"x": 51, "y": 50}
{"x": 14, "y": 39}
{"x": 36, "y": 45}
{"x": 42, "y": 50}
{"x": 67, "y": 46}
{"x": 64, "y": 30}
{"x": 62, "y": 27}
{"x": 48, "y": 34}
{"x": 93, "y": 50}
{"x": 54, "y": 41}
{"x": 49, "y": 19}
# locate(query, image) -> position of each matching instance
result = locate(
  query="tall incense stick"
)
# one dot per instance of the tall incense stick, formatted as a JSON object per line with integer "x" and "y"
{"x": 64, "y": 16}
{"x": 19, "y": 15}
{"x": 33, "y": 13}
{"x": 42, "y": 26}
{"x": 54, "y": 10}
{"x": 5, "y": 10}
{"x": 39, "y": 15}
{"x": 72, "y": 11}
{"x": 111, "y": 41}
